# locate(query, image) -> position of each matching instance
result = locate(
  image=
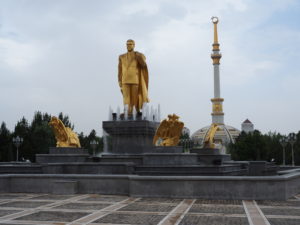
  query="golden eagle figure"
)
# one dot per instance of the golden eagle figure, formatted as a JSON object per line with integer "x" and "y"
{"x": 168, "y": 132}
{"x": 209, "y": 139}
{"x": 64, "y": 136}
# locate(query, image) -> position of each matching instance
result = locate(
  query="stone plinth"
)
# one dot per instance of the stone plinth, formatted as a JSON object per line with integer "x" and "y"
{"x": 207, "y": 156}
{"x": 67, "y": 150}
{"x": 130, "y": 137}
{"x": 170, "y": 159}
{"x": 58, "y": 154}
{"x": 206, "y": 151}
{"x": 167, "y": 149}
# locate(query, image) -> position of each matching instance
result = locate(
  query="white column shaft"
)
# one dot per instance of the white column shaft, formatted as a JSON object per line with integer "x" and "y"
{"x": 217, "y": 91}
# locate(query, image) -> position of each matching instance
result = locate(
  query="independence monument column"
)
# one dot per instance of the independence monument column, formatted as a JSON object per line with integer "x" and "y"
{"x": 217, "y": 107}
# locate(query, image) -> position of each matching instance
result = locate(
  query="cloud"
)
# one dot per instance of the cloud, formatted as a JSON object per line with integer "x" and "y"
{"x": 62, "y": 56}
{"x": 18, "y": 56}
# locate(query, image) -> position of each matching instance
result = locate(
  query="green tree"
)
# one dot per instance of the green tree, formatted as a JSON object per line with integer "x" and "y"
{"x": 41, "y": 134}
{"x": 66, "y": 121}
{"x": 248, "y": 146}
{"x": 22, "y": 130}
{"x": 297, "y": 149}
{"x": 6, "y": 150}
{"x": 256, "y": 146}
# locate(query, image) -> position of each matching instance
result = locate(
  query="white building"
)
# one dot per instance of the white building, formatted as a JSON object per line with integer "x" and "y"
{"x": 247, "y": 126}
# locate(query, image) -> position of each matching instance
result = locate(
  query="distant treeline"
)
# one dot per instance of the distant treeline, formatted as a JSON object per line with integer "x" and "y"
{"x": 258, "y": 146}
{"x": 37, "y": 137}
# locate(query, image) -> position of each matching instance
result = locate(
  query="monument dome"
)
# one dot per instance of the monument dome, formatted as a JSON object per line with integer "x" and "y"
{"x": 225, "y": 134}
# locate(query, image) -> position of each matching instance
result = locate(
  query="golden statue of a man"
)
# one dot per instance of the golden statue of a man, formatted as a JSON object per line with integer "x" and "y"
{"x": 133, "y": 78}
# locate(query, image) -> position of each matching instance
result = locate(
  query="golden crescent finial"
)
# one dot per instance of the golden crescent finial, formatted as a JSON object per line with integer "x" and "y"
{"x": 215, "y": 19}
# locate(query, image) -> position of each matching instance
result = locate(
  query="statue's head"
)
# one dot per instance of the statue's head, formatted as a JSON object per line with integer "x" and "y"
{"x": 130, "y": 45}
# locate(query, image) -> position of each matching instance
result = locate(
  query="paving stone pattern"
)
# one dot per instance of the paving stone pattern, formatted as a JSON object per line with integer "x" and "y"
{"x": 24, "y": 204}
{"x": 280, "y": 203}
{"x": 51, "y": 197}
{"x": 147, "y": 207}
{"x": 284, "y": 221}
{"x": 160, "y": 200}
{"x": 104, "y": 198}
{"x": 213, "y": 220}
{"x": 7, "y": 212}
{"x": 53, "y": 216}
{"x": 10, "y": 196}
{"x": 196, "y": 208}
{"x": 219, "y": 202}
{"x": 28, "y": 209}
{"x": 281, "y": 211}
{"x": 138, "y": 219}
{"x": 87, "y": 206}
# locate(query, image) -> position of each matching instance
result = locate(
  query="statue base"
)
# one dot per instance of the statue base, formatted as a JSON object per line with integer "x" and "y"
{"x": 130, "y": 137}
{"x": 211, "y": 156}
{"x": 63, "y": 154}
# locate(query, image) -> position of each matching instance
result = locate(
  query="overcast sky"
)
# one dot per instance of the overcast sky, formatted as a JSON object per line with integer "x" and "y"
{"x": 62, "y": 56}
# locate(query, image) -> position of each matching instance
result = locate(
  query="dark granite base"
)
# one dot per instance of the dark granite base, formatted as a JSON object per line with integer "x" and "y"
{"x": 59, "y": 155}
{"x": 67, "y": 150}
{"x": 130, "y": 137}
{"x": 89, "y": 168}
{"x": 59, "y": 158}
{"x": 206, "y": 151}
{"x": 193, "y": 170}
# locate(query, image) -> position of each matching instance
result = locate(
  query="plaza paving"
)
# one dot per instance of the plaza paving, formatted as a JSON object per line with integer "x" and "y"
{"x": 112, "y": 210}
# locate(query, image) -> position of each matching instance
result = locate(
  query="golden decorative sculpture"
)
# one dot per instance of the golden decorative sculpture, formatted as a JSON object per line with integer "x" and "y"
{"x": 209, "y": 139}
{"x": 168, "y": 132}
{"x": 133, "y": 78}
{"x": 65, "y": 137}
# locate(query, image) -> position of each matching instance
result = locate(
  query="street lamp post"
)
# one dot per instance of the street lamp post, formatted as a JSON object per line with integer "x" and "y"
{"x": 283, "y": 142}
{"x": 292, "y": 140}
{"x": 17, "y": 142}
{"x": 94, "y": 144}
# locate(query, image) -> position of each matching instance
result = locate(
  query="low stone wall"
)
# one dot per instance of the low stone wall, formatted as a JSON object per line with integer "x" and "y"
{"x": 227, "y": 187}
{"x": 218, "y": 187}
{"x": 43, "y": 183}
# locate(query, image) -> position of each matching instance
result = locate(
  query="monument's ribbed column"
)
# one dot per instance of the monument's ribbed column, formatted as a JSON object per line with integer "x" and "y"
{"x": 217, "y": 101}
{"x": 217, "y": 93}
